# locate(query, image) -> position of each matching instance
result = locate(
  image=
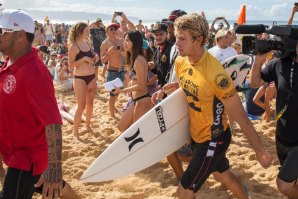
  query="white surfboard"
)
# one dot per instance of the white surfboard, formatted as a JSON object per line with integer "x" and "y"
{"x": 154, "y": 136}
{"x": 237, "y": 67}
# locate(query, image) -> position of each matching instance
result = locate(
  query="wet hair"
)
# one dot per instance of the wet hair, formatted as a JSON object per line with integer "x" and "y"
{"x": 75, "y": 31}
{"x": 195, "y": 24}
{"x": 137, "y": 45}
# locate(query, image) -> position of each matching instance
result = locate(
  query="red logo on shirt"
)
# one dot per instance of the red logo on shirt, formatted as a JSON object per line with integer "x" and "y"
{"x": 10, "y": 84}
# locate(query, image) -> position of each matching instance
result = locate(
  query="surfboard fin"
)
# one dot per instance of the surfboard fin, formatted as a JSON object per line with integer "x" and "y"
{"x": 245, "y": 66}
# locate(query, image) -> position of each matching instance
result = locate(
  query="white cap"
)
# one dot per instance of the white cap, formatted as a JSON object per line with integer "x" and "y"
{"x": 16, "y": 20}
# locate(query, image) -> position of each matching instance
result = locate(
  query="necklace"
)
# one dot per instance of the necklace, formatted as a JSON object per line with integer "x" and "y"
{"x": 114, "y": 43}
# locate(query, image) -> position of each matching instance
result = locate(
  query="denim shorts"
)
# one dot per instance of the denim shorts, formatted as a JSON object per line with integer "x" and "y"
{"x": 111, "y": 75}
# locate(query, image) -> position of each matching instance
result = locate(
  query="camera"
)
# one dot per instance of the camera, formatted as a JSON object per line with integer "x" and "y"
{"x": 283, "y": 42}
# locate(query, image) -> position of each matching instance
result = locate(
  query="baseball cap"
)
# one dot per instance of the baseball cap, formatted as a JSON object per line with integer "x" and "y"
{"x": 98, "y": 20}
{"x": 16, "y": 20}
{"x": 221, "y": 33}
{"x": 115, "y": 25}
{"x": 44, "y": 49}
{"x": 173, "y": 16}
{"x": 160, "y": 27}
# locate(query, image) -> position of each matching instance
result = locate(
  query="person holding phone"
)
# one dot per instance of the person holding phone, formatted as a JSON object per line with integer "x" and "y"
{"x": 220, "y": 25}
{"x": 294, "y": 10}
{"x": 97, "y": 35}
{"x": 125, "y": 24}
{"x": 111, "y": 56}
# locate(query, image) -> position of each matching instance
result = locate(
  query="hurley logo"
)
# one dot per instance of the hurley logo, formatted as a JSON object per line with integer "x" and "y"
{"x": 15, "y": 24}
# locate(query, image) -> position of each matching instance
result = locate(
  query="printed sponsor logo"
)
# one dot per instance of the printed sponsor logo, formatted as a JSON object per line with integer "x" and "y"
{"x": 10, "y": 84}
{"x": 163, "y": 58}
{"x": 222, "y": 81}
{"x": 160, "y": 119}
{"x": 133, "y": 139}
{"x": 218, "y": 111}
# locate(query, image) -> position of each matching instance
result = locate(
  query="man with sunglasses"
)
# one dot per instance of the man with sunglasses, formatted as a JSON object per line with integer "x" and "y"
{"x": 30, "y": 123}
{"x": 170, "y": 22}
{"x": 284, "y": 73}
{"x": 111, "y": 56}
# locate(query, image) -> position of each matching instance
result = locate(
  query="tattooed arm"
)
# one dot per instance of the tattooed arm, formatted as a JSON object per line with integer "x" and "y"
{"x": 52, "y": 178}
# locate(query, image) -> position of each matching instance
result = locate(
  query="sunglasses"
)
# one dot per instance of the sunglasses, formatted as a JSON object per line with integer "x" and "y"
{"x": 5, "y": 30}
{"x": 113, "y": 29}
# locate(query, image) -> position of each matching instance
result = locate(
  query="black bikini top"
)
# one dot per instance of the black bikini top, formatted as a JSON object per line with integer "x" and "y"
{"x": 82, "y": 54}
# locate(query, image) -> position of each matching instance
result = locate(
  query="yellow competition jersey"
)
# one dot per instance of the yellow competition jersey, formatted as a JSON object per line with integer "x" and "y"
{"x": 205, "y": 84}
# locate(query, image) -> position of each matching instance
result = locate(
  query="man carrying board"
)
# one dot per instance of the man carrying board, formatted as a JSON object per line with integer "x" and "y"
{"x": 210, "y": 93}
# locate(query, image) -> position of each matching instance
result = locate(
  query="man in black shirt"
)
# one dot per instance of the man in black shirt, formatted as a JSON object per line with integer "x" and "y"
{"x": 98, "y": 35}
{"x": 161, "y": 64}
{"x": 284, "y": 72}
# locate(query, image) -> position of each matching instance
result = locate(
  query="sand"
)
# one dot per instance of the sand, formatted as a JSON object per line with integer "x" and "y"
{"x": 159, "y": 181}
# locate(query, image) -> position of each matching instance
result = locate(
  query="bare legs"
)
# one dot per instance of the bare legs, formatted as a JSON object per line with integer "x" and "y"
{"x": 288, "y": 189}
{"x": 112, "y": 108}
{"x": 85, "y": 96}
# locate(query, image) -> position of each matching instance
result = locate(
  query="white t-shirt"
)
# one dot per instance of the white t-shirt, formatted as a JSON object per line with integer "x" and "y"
{"x": 222, "y": 54}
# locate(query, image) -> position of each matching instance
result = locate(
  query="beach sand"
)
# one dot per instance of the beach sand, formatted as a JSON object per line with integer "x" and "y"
{"x": 159, "y": 181}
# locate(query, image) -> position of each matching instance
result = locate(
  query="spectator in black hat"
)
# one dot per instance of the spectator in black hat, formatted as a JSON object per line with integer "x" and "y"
{"x": 43, "y": 52}
{"x": 161, "y": 65}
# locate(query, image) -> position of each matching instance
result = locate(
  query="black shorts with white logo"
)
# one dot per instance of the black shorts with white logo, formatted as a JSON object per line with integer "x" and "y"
{"x": 208, "y": 157}
{"x": 288, "y": 158}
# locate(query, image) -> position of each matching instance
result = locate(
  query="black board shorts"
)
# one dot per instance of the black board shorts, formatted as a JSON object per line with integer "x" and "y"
{"x": 288, "y": 158}
{"x": 208, "y": 157}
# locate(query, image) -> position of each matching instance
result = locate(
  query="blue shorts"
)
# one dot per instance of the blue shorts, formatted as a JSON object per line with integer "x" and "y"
{"x": 111, "y": 75}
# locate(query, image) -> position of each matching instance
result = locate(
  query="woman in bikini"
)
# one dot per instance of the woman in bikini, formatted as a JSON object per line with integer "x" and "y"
{"x": 138, "y": 74}
{"x": 81, "y": 59}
